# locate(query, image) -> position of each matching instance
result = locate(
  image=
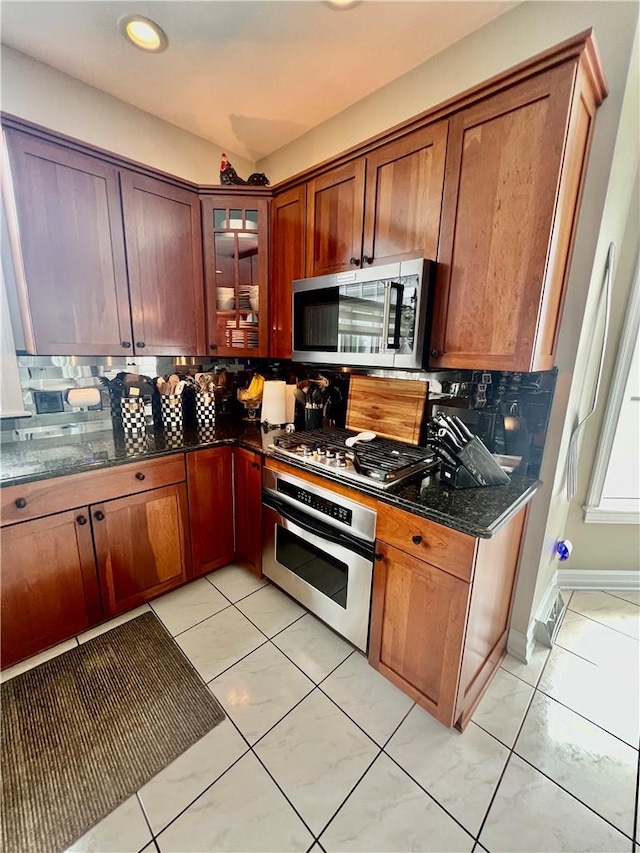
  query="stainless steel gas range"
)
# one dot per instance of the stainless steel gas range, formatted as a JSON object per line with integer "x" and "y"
{"x": 318, "y": 545}
{"x": 380, "y": 462}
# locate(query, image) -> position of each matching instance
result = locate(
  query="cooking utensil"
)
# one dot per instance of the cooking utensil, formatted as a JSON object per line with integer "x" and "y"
{"x": 361, "y": 436}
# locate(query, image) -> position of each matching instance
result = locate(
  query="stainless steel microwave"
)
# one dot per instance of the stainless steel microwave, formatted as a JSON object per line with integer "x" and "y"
{"x": 375, "y": 317}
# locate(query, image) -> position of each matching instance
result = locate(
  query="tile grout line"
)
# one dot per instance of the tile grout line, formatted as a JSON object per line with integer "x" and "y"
{"x": 603, "y": 624}
{"x": 511, "y": 752}
{"x": 573, "y": 796}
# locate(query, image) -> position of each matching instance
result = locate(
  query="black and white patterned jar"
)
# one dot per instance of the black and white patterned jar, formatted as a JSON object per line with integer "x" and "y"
{"x": 205, "y": 409}
{"x": 206, "y": 432}
{"x": 171, "y": 412}
{"x": 133, "y": 417}
{"x": 173, "y": 438}
{"x": 135, "y": 444}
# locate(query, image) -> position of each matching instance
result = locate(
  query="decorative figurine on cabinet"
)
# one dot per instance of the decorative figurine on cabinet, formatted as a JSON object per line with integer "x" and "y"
{"x": 228, "y": 175}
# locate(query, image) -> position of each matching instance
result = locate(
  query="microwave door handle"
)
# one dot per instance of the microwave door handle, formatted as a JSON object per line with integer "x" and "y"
{"x": 399, "y": 288}
{"x": 386, "y": 314}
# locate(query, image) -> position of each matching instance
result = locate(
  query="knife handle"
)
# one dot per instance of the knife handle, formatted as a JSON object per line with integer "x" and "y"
{"x": 462, "y": 427}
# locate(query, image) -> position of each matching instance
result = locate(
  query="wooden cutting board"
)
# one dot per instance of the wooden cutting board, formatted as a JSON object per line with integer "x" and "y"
{"x": 392, "y": 408}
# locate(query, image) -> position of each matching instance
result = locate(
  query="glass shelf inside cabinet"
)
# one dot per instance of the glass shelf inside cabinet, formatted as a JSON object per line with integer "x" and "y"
{"x": 237, "y": 276}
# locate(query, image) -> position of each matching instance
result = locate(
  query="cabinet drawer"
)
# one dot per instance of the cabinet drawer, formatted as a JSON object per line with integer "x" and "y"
{"x": 450, "y": 550}
{"x": 61, "y": 493}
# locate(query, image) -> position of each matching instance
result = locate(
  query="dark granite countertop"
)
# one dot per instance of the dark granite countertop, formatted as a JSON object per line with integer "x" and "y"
{"x": 478, "y": 512}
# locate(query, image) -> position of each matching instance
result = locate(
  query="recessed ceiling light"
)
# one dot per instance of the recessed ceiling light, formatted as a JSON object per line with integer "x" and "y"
{"x": 341, "y": 5}
{"x": 143, "y": 33}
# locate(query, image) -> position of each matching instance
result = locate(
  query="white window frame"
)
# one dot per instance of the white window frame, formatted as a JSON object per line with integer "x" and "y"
{"x": 597, "y": 509}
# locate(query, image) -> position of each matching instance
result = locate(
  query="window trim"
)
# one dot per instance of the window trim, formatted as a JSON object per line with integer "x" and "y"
{"x": 596, "y": 509}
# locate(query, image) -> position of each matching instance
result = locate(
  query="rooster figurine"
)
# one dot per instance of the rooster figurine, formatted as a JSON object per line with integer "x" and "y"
{"x": 228, "y": 175}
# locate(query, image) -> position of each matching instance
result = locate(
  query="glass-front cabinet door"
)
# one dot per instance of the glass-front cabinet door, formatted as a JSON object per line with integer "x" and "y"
{"x": 235, "y": 247}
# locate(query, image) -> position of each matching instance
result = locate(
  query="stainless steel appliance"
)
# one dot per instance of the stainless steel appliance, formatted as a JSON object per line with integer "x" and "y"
{"x": 381, "y": 463}
{"x": 319, "y": 548}
{"x": 379, "y": 316}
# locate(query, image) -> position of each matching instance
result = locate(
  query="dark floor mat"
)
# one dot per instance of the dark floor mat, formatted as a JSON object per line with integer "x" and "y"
{"x": 85, "y": 730}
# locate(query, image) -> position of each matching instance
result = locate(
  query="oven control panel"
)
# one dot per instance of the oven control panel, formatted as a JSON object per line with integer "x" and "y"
{"x": 315, "y": 501}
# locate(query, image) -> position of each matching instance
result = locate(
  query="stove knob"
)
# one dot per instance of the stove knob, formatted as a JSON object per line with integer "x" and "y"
{"x": 330, "y": 453}
{"x": 341, "y": 459}
{"x": 307, "y": 450}
{"x": 322, "y": 453}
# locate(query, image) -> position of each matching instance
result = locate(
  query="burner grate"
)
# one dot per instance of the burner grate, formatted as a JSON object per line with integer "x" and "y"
{"x": 381, "y": 454}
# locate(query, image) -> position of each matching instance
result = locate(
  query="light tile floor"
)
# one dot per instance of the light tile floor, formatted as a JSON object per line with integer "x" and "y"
{"x": 319, "y": 752}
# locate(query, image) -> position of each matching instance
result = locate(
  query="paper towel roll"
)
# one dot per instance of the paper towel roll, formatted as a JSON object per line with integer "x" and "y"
{"x": 291, "y": 402}
{"x": 274, "y": 408}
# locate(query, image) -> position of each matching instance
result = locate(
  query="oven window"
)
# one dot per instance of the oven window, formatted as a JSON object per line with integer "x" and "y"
{"x": 321, "y": 570}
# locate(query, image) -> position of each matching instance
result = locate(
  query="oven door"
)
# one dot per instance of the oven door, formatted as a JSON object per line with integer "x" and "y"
{"x": 324, "y": 569}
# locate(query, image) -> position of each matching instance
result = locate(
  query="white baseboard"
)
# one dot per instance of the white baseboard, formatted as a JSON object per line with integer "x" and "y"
{"x": 605, "y": 579}
{"x": 521, "y": 645}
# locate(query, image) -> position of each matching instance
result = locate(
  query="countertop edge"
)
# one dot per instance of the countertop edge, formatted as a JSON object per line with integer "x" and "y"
{"x": 388, "y": 497}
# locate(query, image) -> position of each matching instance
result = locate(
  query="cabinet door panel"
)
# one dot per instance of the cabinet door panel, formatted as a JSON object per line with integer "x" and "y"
{"x": 500, "y": 196}
{"x": 334, "y": 219}
{"x": 417, "y": 629}
{"x": 49, "y": 583}
{"x": 248, "y": 508}
{"x": 164, "y": 254}
{"x": 68, "y": 207}
{"x": 287, "y": 264}
{"x": 404, "y": 196}
{"x": 235, "y": 237}
{"x": 141, "y": 545}
{"x": 210, "y": 508}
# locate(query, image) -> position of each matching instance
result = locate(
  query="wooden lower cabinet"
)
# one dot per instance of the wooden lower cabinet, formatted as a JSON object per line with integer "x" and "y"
{"x": 438, "y": 637}
{"x": 142, "y": 546}
{"x": 49, "y": 583}
{"x": 417, "y": 628}
{"x": 209, "y": 480}
{"x": 248, "y": 508}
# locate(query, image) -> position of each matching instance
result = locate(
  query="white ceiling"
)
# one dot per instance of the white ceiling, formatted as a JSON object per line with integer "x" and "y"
{"x": 248, "y": 75}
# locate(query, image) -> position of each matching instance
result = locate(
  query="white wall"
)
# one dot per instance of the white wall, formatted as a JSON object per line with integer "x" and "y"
{"x": 39, "y": 93}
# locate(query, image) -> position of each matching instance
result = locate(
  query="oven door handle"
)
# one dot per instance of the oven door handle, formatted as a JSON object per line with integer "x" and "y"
{"x": 318, "y": 528}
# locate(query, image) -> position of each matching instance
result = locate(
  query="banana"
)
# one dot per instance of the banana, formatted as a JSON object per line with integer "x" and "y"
{"x": 254, "y": 391}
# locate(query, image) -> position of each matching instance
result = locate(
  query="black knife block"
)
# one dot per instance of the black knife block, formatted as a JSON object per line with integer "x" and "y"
{"x": 476, "y": 467}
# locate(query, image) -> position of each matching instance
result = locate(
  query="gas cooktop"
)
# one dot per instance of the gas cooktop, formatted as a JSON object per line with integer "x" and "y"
{"x": 380, "y": 462}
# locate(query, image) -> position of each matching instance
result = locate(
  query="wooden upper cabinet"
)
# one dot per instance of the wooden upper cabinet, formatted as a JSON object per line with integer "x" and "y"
{"x": 514, "y": 174}
{"x": 404, "y": 196}
{"x": 235, "y": 232}
{"x": 164, "y": 255}
{"x": 335, "y": 205}
{"x": 381, "y": 208}
{"x": 288, "y": 211}
{"x": 70, "y": 230}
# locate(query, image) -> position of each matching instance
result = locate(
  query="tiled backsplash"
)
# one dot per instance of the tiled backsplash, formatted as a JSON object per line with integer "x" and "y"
{"x": 509, "y": 410}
